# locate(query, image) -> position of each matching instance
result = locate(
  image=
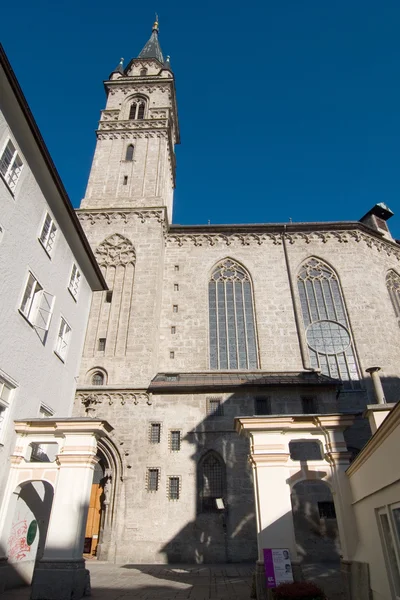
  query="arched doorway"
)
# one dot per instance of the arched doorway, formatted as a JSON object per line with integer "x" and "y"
{"x": 315, "y": 524}
{"x": 29, "y": 514}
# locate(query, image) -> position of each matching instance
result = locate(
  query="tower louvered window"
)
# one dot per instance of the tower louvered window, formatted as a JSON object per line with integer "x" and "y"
{"x": 326, "y": 323}
{"x": 233, "y": 343}
{"x": 393, "y": 286}
{"x": 211, "y": 481}
{"x": 137, "y": 109}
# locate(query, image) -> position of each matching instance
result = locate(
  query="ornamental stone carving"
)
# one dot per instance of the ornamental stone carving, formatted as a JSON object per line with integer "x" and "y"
{"x": 119, "y": 216}
{"x": 131, "y": 135}
{"x": 115, "y": 250}
{"x": 91, "y": 400}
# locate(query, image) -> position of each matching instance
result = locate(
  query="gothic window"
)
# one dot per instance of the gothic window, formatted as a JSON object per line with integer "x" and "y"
{"x": 326, "y": 323}
{"x": 129, "y": 152}
{"x": 211, "y": 481}
{"x": 137, "y": 109}
{"x": 98, "y": 378}
{"x": 233, "y": 343}
{"x": 393, "y": 286}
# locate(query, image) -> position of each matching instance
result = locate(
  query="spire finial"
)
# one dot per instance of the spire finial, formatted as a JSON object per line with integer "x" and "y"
{"x": 155, "y": 25}
{"x": 121, "y": 61}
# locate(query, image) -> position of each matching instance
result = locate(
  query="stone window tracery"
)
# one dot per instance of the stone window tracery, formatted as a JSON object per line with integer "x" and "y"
{"x": 211, "y": 481}
{"x": 137, "y": 109}
{"x": 326, "y": 323}
{"x": 393, "y": 287}
{"x": 233, "y": 342}
{"x": 115, "y": 250}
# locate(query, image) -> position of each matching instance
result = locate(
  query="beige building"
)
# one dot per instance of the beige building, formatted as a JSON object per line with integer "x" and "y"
{"x": 202, "y": 324}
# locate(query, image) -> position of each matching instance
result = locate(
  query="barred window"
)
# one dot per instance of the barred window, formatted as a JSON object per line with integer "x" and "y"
{"x": 137, "y": 109}
{"x": 214, "y": 407}
{"x": 393, "y": 286}
{"x": 309, "y": 405}
{"x": 175, "y": 441}
{"x": 153, "y": 476}
{"x": 263, "y": 406}
{"x": 173, "y": 488}
{"x": 233, "y": 343}
{"x": 326, "y": 323}
{"x": 211, "y": 481}
{"x": 155, "y": 433}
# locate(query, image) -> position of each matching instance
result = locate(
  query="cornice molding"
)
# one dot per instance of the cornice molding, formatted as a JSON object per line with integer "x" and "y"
{"x": 133, "y": 134}
{"x": 130, "y": 86}
{"x": 129, "y": 125}
{"x": 91, "y": 399}
{"x": 93, "y": 216}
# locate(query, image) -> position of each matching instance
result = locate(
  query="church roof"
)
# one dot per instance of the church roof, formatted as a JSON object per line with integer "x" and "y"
{"x": 221, "y": 379}
{"x": 152, "y": 48}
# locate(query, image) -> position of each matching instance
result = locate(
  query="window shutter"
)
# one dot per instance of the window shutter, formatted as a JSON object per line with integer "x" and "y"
{"x": 43, "y": 314}
{"x": 45, "y": 229}
{"x": 7, "y": 157}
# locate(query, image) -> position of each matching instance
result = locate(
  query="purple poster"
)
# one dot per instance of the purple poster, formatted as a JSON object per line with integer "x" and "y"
{"x": 278, "y": 567}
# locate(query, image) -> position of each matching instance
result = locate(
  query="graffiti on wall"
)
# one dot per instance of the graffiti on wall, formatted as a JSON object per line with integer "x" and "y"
{"x": 18, "y": 547}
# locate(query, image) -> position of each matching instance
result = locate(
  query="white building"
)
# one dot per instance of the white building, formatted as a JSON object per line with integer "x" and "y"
{"x": 48, "y": 274}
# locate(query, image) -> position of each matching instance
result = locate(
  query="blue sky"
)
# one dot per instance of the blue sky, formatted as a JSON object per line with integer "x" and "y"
{"x": 288, "y": 109}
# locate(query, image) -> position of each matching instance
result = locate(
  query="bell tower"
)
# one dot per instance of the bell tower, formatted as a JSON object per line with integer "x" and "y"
{"x": 134, "y": 160}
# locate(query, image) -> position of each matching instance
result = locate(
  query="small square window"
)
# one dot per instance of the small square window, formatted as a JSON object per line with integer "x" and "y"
{"x": 109, "y": 295}
{"x": 175, "y": 441}
{"x": 102, "y": 344}
{"x": 48, "y": 234}
{"x": 125, "y": 179}
{"x": 263, "y": 406}
{"x": 155, "y": 433}
{"x": 214, "y": 407}
{"x": 176, "y": 268}
{"x": 176, "y": 287}
{"x": 327, "y": 510}
{"x": 172, "y": 354}
{"x": 173, "y": 488}
{"x": 175, "y": 308}
{"x": 74, "y": 281}
{"x": 309, "y": 405}
{"x": 173, "y": 329}
{"x": 153, "y": 477}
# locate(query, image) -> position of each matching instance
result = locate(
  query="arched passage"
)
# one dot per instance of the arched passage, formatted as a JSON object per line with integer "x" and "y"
{"x": 315, "y": 524}
{"x": 29, "y": 514}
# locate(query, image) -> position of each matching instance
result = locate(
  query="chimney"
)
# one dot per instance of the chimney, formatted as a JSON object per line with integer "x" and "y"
{"x": 376, "y": 219}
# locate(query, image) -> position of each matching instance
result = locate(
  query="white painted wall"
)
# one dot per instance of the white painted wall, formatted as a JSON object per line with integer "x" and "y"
{"x": 39, "y": 375}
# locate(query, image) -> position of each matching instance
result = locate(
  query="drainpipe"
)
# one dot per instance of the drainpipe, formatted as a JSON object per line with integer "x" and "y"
{"x": 303, "y": 348}
{"x": 377, "y": 383}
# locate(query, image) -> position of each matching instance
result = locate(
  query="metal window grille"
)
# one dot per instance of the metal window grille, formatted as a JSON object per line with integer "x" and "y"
{"x": 174, "y": 490}
{"x": 98, "y": 379}
{"x": 211, "y": 480}
{"x": 175, "y": 440}
{"x": 263, "y": 406}
{"x": 155, "y": 433}
{"x": 309, "y": 405}
{"x": 326, "y": 323}
{"x": 153, "y": 476}
{"x": 233, "y": 339}
{"x": 327, "y": 510}
{"x": 102, "y": 344}
{"x": 214, "y": 407}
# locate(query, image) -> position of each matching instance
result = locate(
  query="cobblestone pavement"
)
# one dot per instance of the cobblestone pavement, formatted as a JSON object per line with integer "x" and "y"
{"x": 181, "y": 582}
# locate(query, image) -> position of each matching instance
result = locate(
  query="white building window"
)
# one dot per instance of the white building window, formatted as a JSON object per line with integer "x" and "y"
{"x": 10, "y": 165}
{"x": 389, "y": 521}
{"x": 63, "y": 339}
{"x": 6, "y": 390}
{"x": 74, "y": 281}
{"x": 37, "y": 306}
{"x": 48, "y": 234}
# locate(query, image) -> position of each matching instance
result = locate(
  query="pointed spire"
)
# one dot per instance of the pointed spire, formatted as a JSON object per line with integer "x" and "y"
{"x": 120, "y": 68}
{"x": 167, "y": 64}
{"x": 152, "y": 48}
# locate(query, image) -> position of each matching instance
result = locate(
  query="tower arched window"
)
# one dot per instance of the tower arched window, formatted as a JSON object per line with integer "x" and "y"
{"x": 129, "y": 152}
{"x": 326, "y": 323}
{"x": 393, "y": 286}
{"x": 211, "y": 481}
{"x": 143, "y": 72}
{"x": 233, "y": 343}
{"x": 137, "y": 109}
{"x": 98, "y": 378}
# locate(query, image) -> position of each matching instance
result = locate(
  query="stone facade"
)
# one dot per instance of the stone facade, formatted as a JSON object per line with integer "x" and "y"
{"x": 157, "y": 322}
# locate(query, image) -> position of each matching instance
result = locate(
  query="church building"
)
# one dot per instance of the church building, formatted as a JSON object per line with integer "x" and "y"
{"x": 203, "y": 324}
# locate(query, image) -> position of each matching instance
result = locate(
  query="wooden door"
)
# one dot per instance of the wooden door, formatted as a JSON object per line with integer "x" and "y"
{"x": 93, "y": 520}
